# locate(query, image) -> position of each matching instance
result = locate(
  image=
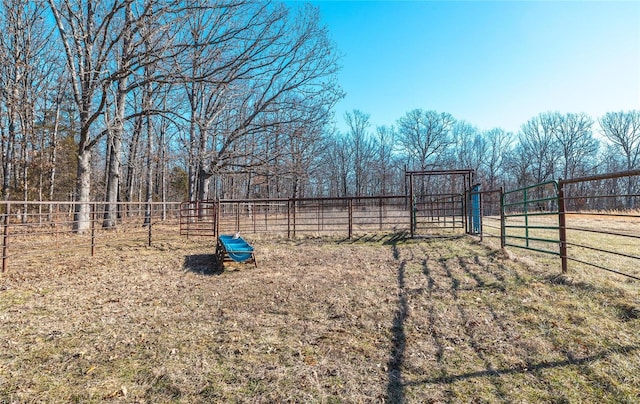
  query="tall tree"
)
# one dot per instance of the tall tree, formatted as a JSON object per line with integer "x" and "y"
{"x": 470, "y": 147}
{"x": 23, "y": 74}
{"x": 260, "y": 64}
{"x": 576, "y": 142}
{"x": 362, "y": 149}
{"x": 623, "y": 131}
{"x": 90, "y": 33}
{"x": 338, "y": 165}
{"x": 385, "y": 143}
{"x": 499, "y": 145}
{"x": 539, "y": 146}
{"x": 425, "y": 136}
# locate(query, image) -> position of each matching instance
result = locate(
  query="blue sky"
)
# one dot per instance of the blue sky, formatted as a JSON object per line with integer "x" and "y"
{"x": 493, "y": 64}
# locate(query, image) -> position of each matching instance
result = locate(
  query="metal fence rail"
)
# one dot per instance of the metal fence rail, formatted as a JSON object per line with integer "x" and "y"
{"x": 438, "y": 213}
{"x": 329, "y": 216}
{"x": 599, "y": 228}
{"x": 32, "y": 230}
{"x": 530, "y": 218}
{"x": 586, "y": 221}
{"x": 590, "y": 222}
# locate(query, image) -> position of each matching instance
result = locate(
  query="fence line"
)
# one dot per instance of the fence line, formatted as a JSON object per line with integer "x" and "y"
{"x": 292, "y": 217}
{"x": 525, "y": 218}
{"x": 585, "y": 221}
{"x": 557, "y": 218}
{"x": 613, "y": 243}
{"x": 29, "y": 228}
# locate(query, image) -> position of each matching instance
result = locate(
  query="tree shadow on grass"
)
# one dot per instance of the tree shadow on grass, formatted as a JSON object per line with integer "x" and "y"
{"x": 202, "y": 264}
{"x": 530, "y": 368}
{"x": 395, "y": 389}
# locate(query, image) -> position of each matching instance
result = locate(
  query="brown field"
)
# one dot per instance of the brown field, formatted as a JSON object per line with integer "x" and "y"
{"x": 590, "y": 238}
{"x": 374, "y": 319}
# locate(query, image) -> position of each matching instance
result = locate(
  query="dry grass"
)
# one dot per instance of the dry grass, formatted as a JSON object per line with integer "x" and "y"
{"x": 320, "y": 320}
{"x": 606, "y": 241}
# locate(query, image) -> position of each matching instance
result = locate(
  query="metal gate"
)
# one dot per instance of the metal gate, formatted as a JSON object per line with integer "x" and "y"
{"x": 530, "y": 218}
{"x": 439, "y": 201}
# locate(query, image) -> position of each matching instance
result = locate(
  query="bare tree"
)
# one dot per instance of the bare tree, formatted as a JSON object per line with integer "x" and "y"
{"x": 425, "y": 136}
{"x": 623, "y": 131}
{"x": 362, "y": 148}
{"x": 338, "y": 165}
{"x": 90, "y": 34}
{"x": 470, "y": 147}
{"x": 538, "y": 145}
{"x": 385, "y": 143}
{"x": 576, "y": 142}
{"x": 23, "y": 73}
{"x": 499, "y": 145}
{"x": 517, "y": 164}
{"x": 257, "y": 69}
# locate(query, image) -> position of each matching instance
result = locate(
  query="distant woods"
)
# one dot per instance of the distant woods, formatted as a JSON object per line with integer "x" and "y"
{"x": 162, "y": 100}
{"x": 371, "y": 161}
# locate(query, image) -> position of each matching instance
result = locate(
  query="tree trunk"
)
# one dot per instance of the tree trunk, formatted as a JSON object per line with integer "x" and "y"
{"x": 82, "y": 214}
{"x": 204, "y": 179}
{"x": 54, "y": 155}
{"x": 149, "y": 158}
{"x": 133, "y": 158}
{"x": 113, "y": 179}
{"x": 113, "y": 176}
{"x": 194, "y": 159}
{"x": 8, "y": 160}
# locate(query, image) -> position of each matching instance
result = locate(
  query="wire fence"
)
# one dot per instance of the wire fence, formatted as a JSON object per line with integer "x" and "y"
{"x": 600, "y": 228}
{"x": 293, "y": 217}
{"x": 587, "y": 222}
{"x": 37, "y": 232}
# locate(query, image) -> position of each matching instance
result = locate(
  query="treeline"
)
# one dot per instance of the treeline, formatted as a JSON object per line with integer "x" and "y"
{"x": 371, "y": 161}
{"x": 161, "y": 100}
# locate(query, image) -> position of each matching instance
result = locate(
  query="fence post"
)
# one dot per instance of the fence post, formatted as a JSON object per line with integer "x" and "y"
{"x": 93, "y": 229}
{"x": 253, "y": 215}
{"x": 150, "y": 226}
{"x": 481, "y": 215}
{"x": 502, "y": 220}
{"x": 289, "y": 219}
{"x": 216, "y": 212}
{"x": 5, "y": 238}
{"x": 466, "y": 210}
{"x": 526, "y": 217}
{"x": 238, "y": 217}
{"x": 412, "y": 207}
{"x": 293, "y": 205}
{"x": 350, "y": 208}
{"x": 562, "y": 227}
